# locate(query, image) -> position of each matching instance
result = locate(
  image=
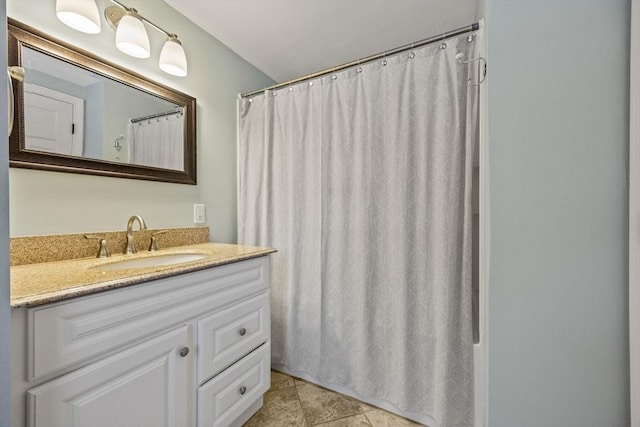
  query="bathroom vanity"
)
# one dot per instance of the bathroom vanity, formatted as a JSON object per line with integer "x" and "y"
{"x": 180, "y": 345}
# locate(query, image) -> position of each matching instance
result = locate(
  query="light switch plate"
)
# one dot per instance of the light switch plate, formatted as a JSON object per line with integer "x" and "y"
{"x": 198, "y": 214}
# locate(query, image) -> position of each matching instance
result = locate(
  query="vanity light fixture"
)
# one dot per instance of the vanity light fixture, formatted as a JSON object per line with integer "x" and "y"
{"x": 131, "y": 34}
{"x": 81, "y": 15}
{"x": 132, "y": 39}
{"x": 172, "y": 57}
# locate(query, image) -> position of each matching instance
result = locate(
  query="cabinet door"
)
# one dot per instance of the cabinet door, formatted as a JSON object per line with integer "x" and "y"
{"x": 150, "y": 384}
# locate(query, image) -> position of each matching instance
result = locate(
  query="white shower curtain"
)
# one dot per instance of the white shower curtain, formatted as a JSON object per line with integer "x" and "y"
{"x": 362, "y": 181}
{"x": 158, "y": 142}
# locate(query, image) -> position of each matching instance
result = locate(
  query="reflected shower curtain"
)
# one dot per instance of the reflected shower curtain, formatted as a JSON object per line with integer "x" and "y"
{"x": 362, "y": 181}
{"x": 158, "y": 142}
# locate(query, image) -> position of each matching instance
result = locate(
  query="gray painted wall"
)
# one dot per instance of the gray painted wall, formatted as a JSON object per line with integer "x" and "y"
{"x": 54, "y": 202}
{"x": 558, "y": 120}
{"x": 94, "y": 120}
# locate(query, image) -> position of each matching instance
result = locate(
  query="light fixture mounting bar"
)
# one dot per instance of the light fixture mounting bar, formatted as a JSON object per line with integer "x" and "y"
{"x": 109, "y": 19}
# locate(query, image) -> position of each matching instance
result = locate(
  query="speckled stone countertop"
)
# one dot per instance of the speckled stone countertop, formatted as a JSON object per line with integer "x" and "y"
{"x": 58, "y": 247}
{"x": 46, "y": 282}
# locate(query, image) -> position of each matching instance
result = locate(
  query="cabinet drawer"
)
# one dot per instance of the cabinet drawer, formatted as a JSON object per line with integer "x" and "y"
{"x": 66, "y": 334}
{"x": 229, "y": 334}
{"x": 224, "y": 398}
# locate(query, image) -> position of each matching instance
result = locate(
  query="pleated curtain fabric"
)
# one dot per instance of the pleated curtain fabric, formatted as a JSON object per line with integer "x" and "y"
{"x": 157, "y": 142}
{"x": 362, "y": 182}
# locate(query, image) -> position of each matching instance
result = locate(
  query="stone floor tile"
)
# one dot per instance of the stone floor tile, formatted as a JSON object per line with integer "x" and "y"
{"x": 354, "y": 421}
{"x": 300, "y": 381}
{"x": 320, "y": 405}
{"x": 380, "y": 418}
{"x": 366, "y": 408}
{"x": 280, "y": 381}
{"x": 281, "y": 408}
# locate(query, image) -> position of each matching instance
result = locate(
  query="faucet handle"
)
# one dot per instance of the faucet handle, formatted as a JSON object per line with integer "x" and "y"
{"x": 103, "y": 252}
{"x": 154, "y": 241}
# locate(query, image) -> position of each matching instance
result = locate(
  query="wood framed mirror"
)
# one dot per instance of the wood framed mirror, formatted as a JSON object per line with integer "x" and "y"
{"x": 75, "y": 112}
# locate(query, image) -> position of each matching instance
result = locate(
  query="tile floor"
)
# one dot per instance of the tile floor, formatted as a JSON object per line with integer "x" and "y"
{"x": 293, "y": 402}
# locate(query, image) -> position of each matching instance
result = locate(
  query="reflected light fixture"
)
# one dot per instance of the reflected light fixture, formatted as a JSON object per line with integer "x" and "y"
{"x": 81, "y": 15}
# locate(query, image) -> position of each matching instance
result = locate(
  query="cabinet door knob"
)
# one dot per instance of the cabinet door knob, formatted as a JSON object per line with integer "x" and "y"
{"x": 184, "y": 351}
{"x": 242, "y": 332}
{"x": 242, "y": 390}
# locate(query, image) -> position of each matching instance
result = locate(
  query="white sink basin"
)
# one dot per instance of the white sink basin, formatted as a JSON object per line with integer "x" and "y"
{"x": 152, "y": 261}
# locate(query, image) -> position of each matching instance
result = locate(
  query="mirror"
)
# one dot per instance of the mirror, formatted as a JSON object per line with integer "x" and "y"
{"x": 78, "y": 113}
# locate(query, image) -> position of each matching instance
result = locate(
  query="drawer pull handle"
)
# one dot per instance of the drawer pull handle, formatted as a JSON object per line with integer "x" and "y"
{"x": 184, "y": 351}
{"x": 242, "y": 332}
{"x": 243, "y": 390}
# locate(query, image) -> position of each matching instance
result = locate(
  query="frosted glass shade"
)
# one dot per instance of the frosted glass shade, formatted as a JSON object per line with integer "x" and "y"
{"x": 132, "y": 37}
{"x": 81, "y": 15}
{"x": 172, "y": 58}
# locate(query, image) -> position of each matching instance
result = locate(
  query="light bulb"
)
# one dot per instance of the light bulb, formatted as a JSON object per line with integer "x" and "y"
{"x": 131, "y": 36}
{"x": 172, "y": 58}
{"x": 81, "y": 15}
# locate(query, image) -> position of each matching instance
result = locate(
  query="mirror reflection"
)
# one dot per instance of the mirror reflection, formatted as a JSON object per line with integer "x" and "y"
{"x": 78, "y": 113}
{"x": 72, "y": 111}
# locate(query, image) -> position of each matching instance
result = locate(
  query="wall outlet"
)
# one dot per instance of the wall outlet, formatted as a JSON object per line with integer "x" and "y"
{"x": 198, "y": 214}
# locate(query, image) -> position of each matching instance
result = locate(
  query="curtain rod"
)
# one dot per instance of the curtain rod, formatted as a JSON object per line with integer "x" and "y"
{"x": 469, "y": 28}
{"x": 154, "y": 116}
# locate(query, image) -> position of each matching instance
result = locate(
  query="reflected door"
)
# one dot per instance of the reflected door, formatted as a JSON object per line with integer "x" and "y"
{"x": 52, "y": 121}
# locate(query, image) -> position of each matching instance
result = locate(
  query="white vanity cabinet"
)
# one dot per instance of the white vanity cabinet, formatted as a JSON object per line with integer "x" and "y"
{"x": 146, "y": 385}
{"x": 186, "y": 350}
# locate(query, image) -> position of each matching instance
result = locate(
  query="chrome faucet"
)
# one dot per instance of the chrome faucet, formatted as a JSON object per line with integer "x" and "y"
{"x": 131, "y": 247}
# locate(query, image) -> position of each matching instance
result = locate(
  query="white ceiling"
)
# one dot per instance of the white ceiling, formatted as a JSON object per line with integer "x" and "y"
{"x": 292, "y": 38}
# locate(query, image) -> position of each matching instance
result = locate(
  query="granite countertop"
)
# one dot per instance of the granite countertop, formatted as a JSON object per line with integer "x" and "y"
{"x": 45, "y": 282}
